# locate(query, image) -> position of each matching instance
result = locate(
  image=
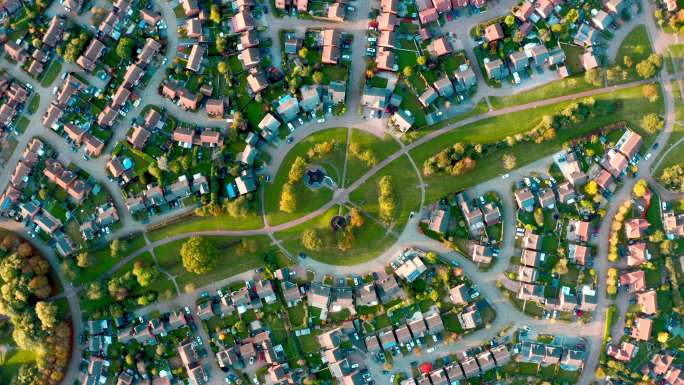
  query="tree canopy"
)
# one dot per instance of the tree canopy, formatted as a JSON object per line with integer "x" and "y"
{"x": 198, "y": 255}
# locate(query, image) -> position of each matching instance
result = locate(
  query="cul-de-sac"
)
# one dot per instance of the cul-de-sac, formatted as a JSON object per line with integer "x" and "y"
{"x": 341, "y": 192}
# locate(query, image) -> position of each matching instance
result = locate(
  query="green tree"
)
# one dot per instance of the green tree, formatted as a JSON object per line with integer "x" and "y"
{"x": 408, "y": 71}
{"x": 509, "y": 20}
{"x": 198, "y": 255}
{"x": 651, "y": 92}
{"x": 288, "y": 199}
{"x": 356, "y": 218}
{"x": 83, "y": 259}
{"x": 116, "y": 247}
{"x": 311, "y": 240}
{"x": 222, "y": 67}
{"x": 124, "y": 47}
{"x": 317, "y": 77}
{"x": 144, "y": 274}
{"x": 47, "y": 313}
{"x": 591, "y": 188}
{"x": 154, "y": 170}
{"x": 509, "y": 161}
{"x": 297, "y": 170}
{"x": 421, "y": 60}
{"x": 652, "y": 123}
{"x": 593, "y": 77}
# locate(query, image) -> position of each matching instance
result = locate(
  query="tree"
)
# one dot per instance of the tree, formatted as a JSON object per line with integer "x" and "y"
{"x": 651, "y": 92}
{"x": 509, "y": 20}
{"x": 431, "y": 257}
{"x": 672, "y": 177}
{"x": 124, "y": 47}
{"x": 408, "y": 71}
{"x": 303, "y": 52}
{"x": 317, "y": 77}
{"x": 663, "y": 337}
{"x": 593, "y": 77}
{"x": 297, "y": 170}
{"x": 356, "y": 218}
{"x": 311, "y": 240}
{"x": 116, "y": 247}
{"x": 95, "y": 291}
{"x": 666, "y": 247}
{"x": 652, "y": 122}
{"x": 646, "y": 69}
{"x": 144, "y": 274}
{"x": 198, "y": 255}
{"x": 591, "y": 188}
{"x": 288, "y": 199}
{"x": 386, "y": 199}
{"x": 215, "y": 14}
{"x": 421, "y": 60}
{"x": 509, "y": 161}
{"x": 154, "y": 170}
{"x": 163, "y": 163}
{"x": 222, "y": 67}
{"x": 640, "y": 188}
{"x": 47, "y": 314}
{"x": 83, "y": 259}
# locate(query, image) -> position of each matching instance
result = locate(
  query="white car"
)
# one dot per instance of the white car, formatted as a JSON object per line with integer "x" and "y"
{"x": 505, "y": 176}
{"x": 648, "y": 156}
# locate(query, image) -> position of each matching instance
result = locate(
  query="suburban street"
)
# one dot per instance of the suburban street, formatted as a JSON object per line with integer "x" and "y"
{"x": 410, "y": 236}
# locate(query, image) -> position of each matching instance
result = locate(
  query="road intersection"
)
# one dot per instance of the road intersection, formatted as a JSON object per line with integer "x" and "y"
{"x": 507, "y": 314}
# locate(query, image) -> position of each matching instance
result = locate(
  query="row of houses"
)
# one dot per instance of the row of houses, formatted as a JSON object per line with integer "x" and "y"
{"x": 13, "y": 96}
{"x": 616, "y": 162}
{"x": 469, "y": 365}
{"x": 156, "y": 197}
{"x": 429, "y": 10}
{"x": 541, "y": 354}
{"x": 34, "y": 60}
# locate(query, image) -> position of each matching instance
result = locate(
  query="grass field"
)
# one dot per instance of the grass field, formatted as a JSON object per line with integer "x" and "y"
{"x": 51, "y": 73}
{"x": 381, "y": 148}
{"x": 229, "y": 263}
{"x": 637, "y": 47}
{"x": 571, "y": 85}
{"x": 406, "y": 192}
{"x": 12, "y": 361}
{"x": 674, "y": 156}
{"x": 103, "y": 261}
{"x": 490, "y": 130}
{"x": 194, "y": 223}
{"x": 307, "y": 200}
{"x": 370, "y": 240}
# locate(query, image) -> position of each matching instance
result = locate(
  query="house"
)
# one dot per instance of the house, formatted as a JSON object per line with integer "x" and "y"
{"x": 496, "y": 69}
{"x": 624, "y": 353}
{"x": 288, "y": 108}
{"x": 546, "y": 198}
{"x": 434, "y": 322}
{"x": 525, "y": 199}
{"x": 138, "y": 137}
{"x": 439, "y": 220}
{"x": 331, "y": 338}
{"x": 634, "y": 281}
{"x": 402, "y": 120}
{"x": 387, "y": 21}
{"x": 588, "y": 60}
{"x": 264, "y": 290}
{"x": 464, "y": 80}
{"x": 636, "y": 228}
{"x": 428, "y": 15}
{"x": 195, "y": 58}
{"x": 411, "y": 269}
{"x": 544, "y": 8}
{"x": 53, "y": 34}
{"x": 579, "y": 254}
{"x": 375, "y": 98}
{"x": 527, "y": 274}
{"x": 588, "y": 299}
{"x": 440, "y": 47}
{"x": 648, "y": 301}
{"x": 637, "y": 254}
{"x": 215, "y": 108}
{"x": 491, "y": 214}
{"x": 366, "y": 295}
{"x": 242, "y": 21}
{"x": 470, "y": 318}
{"x": 389, "y": 289}
{"x": 389, "y": 6}
{"x": 531, "y": 292}
{"x": 578, "y": 231}
{"x": 629, "y": 144}
{"x": 318, "y": 296}
{"x": 257, "y": 82}
{"x": 641, "y": 329}
{"x": 531, "y": 241}
{"x": 570, "y": 168}
{"x": 291, "y": 293}
{"x": 532, "y": 258}
{"x": 459, "y": 295}
{"x": 337, "y": 12}
{"x": 387, "y": 39}
{"x": 428, "y": 97}
{"x": 617, "y": 6}
{"x": 493, "y": 32}
{"x": 661, "y": 363}
{"x": 384, "y": 59}
{"x": 444, "y": 86}
{"x": 310, "y": 98}
{"x": 524, "y": 11}
{"x": 519, "y": 61}
{"x": 470, "y": 367}
{"x": 501, "y": 354}
{"x": 481, "y": 253}
{"x": 602, "y": 20}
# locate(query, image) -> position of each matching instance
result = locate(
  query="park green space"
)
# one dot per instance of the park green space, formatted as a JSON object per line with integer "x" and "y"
{"x": 637, "y": 46}
{"x": 381, "y": 148}
{"x": 490, "y": 130}
{"x": 674, "y": 156}
{"x": 307, "y": 199}
{"x": 103, "y": 260}
{"x": 12, "y": 361}
{"x": 230, "y": 261}
{"x": 195, "y": 223}
{"x": 406, "y": 192}
{"x": 571, "y": 85}
{"x": 370, "y": 240}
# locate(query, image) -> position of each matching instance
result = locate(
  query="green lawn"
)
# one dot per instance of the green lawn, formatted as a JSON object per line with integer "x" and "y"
{"x": 370, "y": 240}
{"x": 381, "y": 148}
{"x": 406, "y": 191}
{"x": 194, "y": 223}
{"x": 307, "y": 200}
{"x": 637, "y": 47}
{"x": 22, "y": 124}
{"x": 12, "y": 361}
{"x": 103, "y": 261}
{"x": 33, "y": 104}
{"x": 674, "y": 156}
{"x": 571, "y": 85}
{"x": 490, "y": 130}
{"x": 229, "y": 264}
{"x": 51, "y": 73}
